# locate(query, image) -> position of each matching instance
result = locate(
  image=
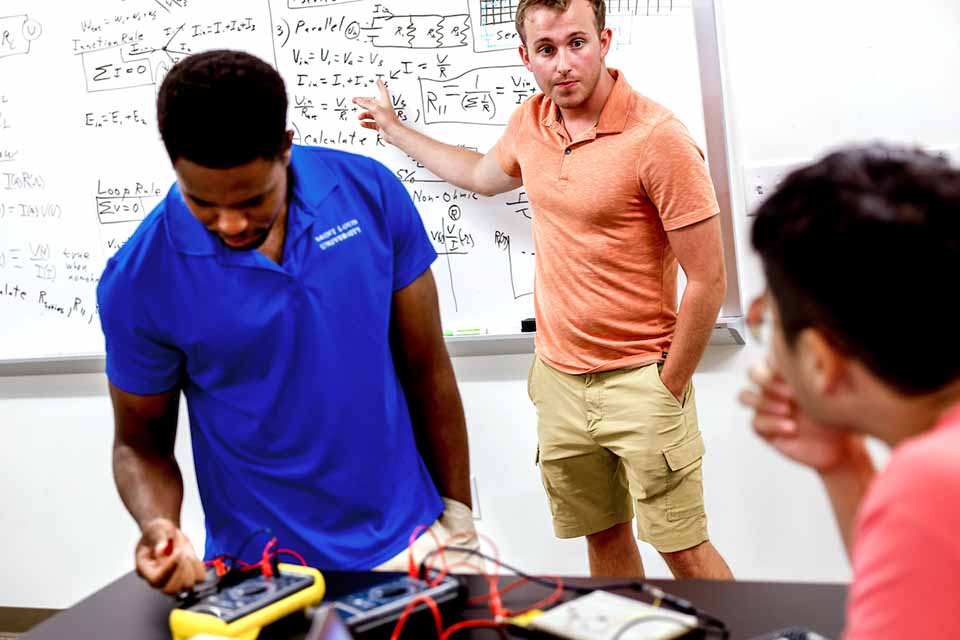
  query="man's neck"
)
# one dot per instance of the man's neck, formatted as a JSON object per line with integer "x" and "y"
{"x": 897, "y": 418}
{"x": 588, "y": 113}
{"x": 273, "y": 245}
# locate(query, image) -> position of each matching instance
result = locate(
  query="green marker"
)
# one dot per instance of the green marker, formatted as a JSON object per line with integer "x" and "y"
{"x": 464, "y": 332}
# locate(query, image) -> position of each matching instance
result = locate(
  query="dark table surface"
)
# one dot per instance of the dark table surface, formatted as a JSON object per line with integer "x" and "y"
{"x": 129, "y": 609}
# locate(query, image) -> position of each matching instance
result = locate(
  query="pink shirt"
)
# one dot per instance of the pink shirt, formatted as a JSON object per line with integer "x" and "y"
{"x": 906, "y": 558}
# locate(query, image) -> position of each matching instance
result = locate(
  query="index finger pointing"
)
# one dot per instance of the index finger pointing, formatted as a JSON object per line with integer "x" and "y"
{"x": 384, "y": 94}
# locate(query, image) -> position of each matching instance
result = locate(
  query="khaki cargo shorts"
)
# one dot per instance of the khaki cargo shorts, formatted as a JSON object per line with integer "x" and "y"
{"x": 609, "y": 440}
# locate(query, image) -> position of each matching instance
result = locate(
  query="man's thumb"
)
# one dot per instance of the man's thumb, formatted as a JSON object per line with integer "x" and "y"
{"x": 164, "y": 547}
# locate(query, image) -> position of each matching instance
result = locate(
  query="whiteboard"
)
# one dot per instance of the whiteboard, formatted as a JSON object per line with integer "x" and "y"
{"x": 806, "y": 79}
{"x": 81, "y": 162}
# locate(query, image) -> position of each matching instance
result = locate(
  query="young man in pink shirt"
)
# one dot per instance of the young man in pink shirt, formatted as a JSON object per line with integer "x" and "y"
{"x": 850, "y": 246}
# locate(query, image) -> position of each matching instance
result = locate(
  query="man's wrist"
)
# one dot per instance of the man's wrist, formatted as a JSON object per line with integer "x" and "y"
{"x": 157, "y": 520}
{"x": 853, "y": 460}
{"x": 391, "y": 132}
{"x": 463, "y": 497}
{"x": 675, "y": 387}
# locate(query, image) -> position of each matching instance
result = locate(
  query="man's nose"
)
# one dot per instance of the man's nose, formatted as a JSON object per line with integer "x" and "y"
{"x": 563, "y": 60}
{"x": 231, "y": 222}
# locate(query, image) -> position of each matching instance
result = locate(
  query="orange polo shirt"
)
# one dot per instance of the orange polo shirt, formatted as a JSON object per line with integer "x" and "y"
{"x": 605, "y": 284}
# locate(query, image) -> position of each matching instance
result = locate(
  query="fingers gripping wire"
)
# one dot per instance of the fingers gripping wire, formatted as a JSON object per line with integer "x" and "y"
{"x": 411, "y": 562}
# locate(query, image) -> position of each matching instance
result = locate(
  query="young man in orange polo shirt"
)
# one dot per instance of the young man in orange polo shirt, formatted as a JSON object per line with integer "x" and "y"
{"x": 620, "y": 194}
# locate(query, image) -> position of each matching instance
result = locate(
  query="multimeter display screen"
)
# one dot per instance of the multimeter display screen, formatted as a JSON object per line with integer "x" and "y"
{"x": 248, "y": 596}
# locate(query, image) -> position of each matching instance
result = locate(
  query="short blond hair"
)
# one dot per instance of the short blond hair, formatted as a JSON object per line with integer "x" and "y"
{"x": 599, "y": 12}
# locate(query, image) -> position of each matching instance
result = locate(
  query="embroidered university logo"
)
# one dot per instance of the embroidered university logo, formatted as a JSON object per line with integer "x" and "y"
{"x": 340, "y": 233}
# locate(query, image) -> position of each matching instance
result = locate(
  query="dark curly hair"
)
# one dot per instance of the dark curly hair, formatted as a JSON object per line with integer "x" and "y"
{"x": 222, "y": 109}
{"x": 865, "y": 246}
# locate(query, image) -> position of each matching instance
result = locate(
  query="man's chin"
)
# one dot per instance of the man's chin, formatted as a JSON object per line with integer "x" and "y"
{"x": 246, "y": 246}
{"x": 568, "y": 101}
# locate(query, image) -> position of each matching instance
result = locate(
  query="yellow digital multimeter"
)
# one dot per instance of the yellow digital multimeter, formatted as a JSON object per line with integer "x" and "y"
{"x": 243, "y": 609}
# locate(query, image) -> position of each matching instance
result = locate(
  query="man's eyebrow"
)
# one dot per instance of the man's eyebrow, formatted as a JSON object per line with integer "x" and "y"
{"x": 252, "y": 200}
{"x": 569, "y": 36}
{"x": 196, "y": 199}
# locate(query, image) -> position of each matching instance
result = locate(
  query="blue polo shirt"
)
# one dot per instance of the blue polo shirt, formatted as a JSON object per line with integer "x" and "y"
{"x": 297, "y": 416}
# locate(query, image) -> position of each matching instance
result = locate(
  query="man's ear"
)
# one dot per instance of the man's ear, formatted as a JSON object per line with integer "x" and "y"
{"x": 823, "y": 365}
{"x": 524, "y": 57}
{"x": 606, "y": 38}
{"x": 289, "y": 147}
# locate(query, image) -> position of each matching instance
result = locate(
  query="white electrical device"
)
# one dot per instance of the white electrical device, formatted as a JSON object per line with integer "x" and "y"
{"x": 601, "y": 615}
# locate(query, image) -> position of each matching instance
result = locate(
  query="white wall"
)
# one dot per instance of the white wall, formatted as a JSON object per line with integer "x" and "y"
{"x": 61, "y": 512}
{"x": 801, "y": 76}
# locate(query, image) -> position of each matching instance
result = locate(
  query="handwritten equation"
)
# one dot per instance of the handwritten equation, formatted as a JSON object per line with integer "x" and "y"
{"x": 117, "y": 52}
{"x": 35, "y": 260}
{"x": 487, "y": 95}
{"x": 115, "y": 118}
{"x": 120, "y": 209}
{"x": 136, "y": 49}
{"x": 427, "y": 60}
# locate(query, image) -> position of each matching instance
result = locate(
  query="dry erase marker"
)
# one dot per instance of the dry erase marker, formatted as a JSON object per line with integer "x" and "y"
{"x": 465, "y": 332}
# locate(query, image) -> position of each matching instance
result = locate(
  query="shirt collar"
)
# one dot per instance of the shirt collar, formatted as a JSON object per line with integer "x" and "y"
{"x": 311, "y": 184}
{"x": 950, "y": 417}
{"x": 186, "y": 233}
{"x": 616, "y": 110}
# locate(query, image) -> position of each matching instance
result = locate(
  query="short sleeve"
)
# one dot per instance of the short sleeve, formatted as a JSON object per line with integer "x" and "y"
{"x": 906, "y": 557}
{"x": 673, "y": 174}
{"x": 413, "y": 253}
{"x": 138, "y": 360}
{"x": 505, "y": 148}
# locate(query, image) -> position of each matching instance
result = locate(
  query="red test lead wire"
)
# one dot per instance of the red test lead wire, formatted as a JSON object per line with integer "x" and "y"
{"x": 291, "y": 552}
{"x": 266, "y": 567}
{"x": 434, "y": 609}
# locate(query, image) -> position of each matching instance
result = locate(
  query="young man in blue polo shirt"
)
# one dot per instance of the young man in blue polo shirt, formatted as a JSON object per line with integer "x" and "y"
{"x": 287, "y": 292}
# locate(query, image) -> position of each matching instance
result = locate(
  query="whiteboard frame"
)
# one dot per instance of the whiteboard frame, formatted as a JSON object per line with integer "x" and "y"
{"x": 718, "y": 143}
{"x": 727, "y": 332}
{"x": 729, "y": 329}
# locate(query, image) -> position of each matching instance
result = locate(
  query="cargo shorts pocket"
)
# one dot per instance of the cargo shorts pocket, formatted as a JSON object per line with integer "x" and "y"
{"x": 684, "y": 497}
{"x": 668, "y": 395}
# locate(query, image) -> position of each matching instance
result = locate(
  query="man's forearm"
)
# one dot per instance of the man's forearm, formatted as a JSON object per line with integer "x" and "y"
{"x": 150, "y": 486}
{"x": 453, "y": 164}
{"x": 440, "y": 429}
{"x": 696, "y": 318}
{"x": 846, "y": 484}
